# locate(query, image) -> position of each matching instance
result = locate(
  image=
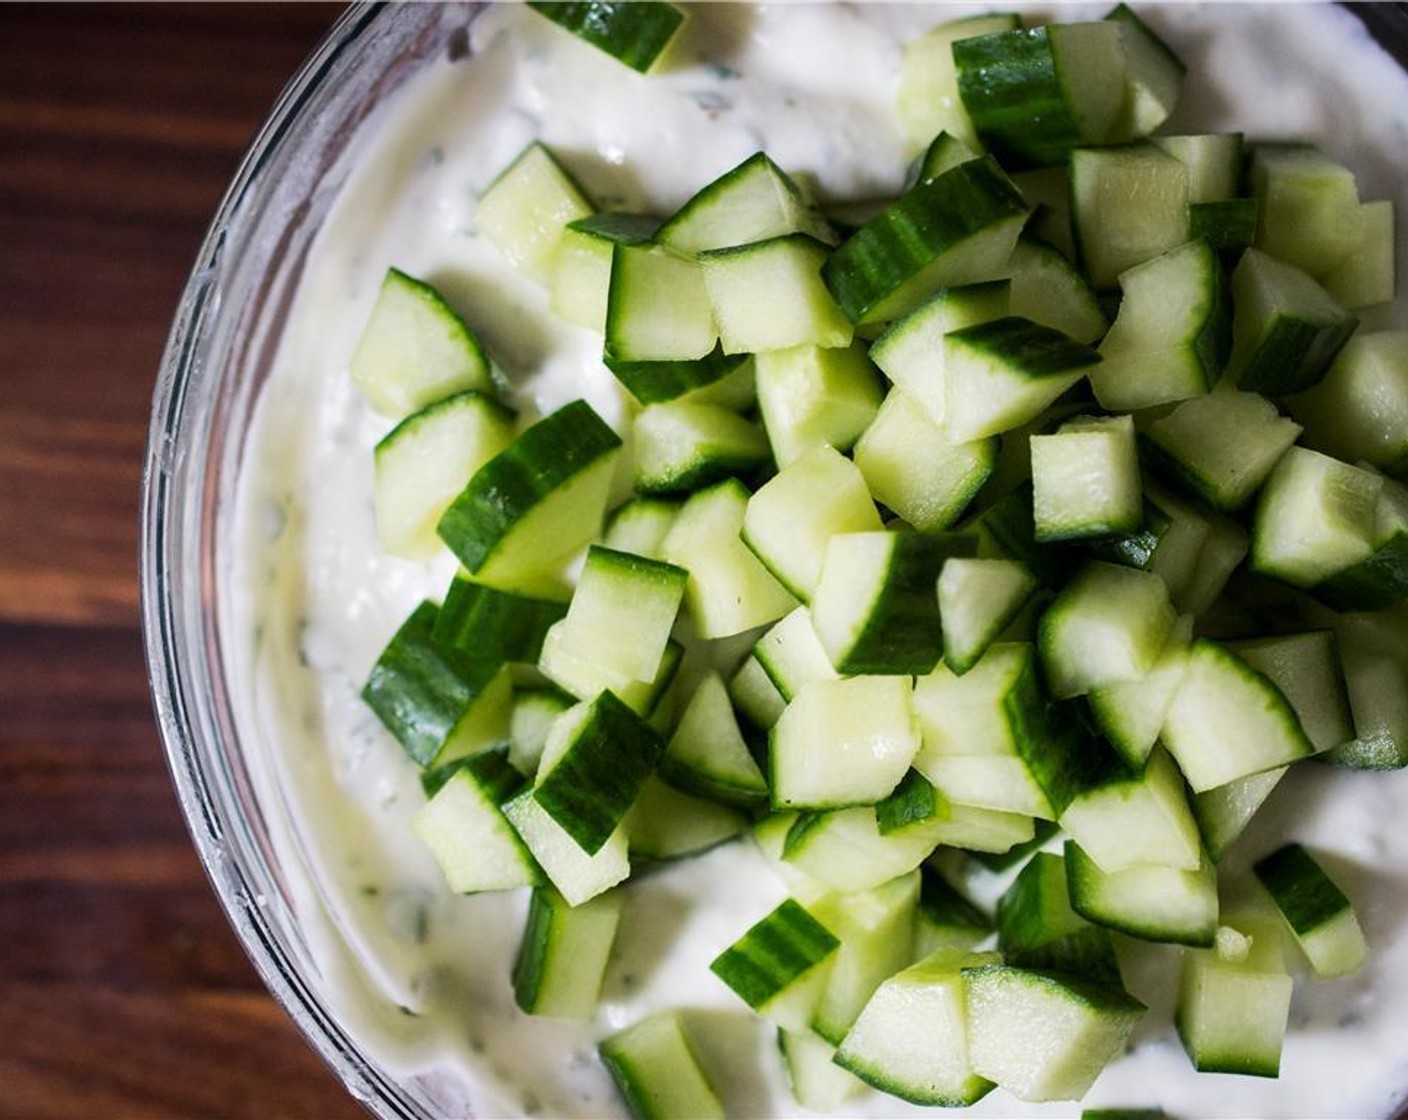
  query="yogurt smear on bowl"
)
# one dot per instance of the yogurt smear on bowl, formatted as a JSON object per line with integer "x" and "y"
{"x": 420, "y": 976}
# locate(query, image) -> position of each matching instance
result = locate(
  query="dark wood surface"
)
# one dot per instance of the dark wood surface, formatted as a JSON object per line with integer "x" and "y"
{"x": 123, "y": 992}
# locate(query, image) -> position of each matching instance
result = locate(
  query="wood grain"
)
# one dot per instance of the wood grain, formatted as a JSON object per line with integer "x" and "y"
{"x": 123, "y": 992}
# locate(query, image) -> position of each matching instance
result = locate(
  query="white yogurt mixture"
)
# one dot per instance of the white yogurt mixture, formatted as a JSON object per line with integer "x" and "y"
{"x": 420, "y": 977}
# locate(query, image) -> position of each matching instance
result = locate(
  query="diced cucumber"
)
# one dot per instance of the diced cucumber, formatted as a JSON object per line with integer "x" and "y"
{"x": 754, "y": 694}
{"x": 1221, "y": 445}
{"x": 1224, "y": 550}
{"x": 415, "y": 350}
{"x": 811, "y": 396}
{"x": 1153, "y": 76}
{"x": 1213, "y": 160}
{"x": 977, "y": 601}
{"x": 913, "y": 801}
{"x": 656, "y": 1070}
{"x": 911, "y": 1038}
{"x": 581, "y": 279}
{"x": 523, "y": 211}
{"x": 946, "y": 919}
{"x": 1037, "y": 928}
{"x": 1083, "y": 1027}
{"x": 1131, "y": 713}
{"x": 680, "y": 446}
{"x": 1366, "y": 275}
{"x": 657, "y": 307}
{"x": 538, "y": 501}
{"x": 911, "y": 352}
{"x": 979, "y": 730}
{"x": 875, "y": 608}
{"x": 640, "y": 526}
{"x": 769, "y": 296}
{"x": 562, "y": 957}
{"x": 1286, "y": 330}
{"x": 1306, "y": 669}
{"x": 1000, "y": 375}
{"x": 440, "y": 703}
{"x": 1309, "y": 206}
{"x": 1034, "y": 94}
{"x": 1135, "y": 818}
{"x": 534, "y": 713}
{"x": 780, "y": 966}
{"x": 1228, "y": 721}
{"x": 876, "y": 933}
{"x": 1049, "y": 290}
{"x": 1315, "y": 518}
{"x": 1129, "y": 205}
{"x": 707, "y": 754}
{"x": 1378, "y": 694}
{"x": 792, "y": 516}
{"x": 770, "y": 836}
{"x": 912, "y": 466}
{"x": 1315, "y": 909}
{"x": 1360, "y": 410}
{"x": 817, "y": 1083}
{"x": 1171, "y": 543}
{"x": 729, "y": 590}
{"x": 792, "y": 656}
{"x": 1233, "y": 1005}
{"x": 1108, "y": 624}
{"x": 494, "y": 625}
{"x": 633, "y": 33}
{"x": 1171, "y": 337}
{"x": 617, "y": 626}
{"x": 842, "y": 742}
{"x": 956, "y": 229}
{"x": 1085, "y": 480}
{"x": 1150, "y": 901}
{"x": 1007, "y": 529}
{"x": 666, "y": 824}
{"x": 1048, "y": 190}
{"x": 928, "y": 100}
{"x": 573, "y": 872}
{"x": 755, "y": 201}
{"x": 466, "y": 832}
{"x": 679, "y": 379}
{"x": 1224, "y": 811}
{"x": 845, "y": 849}
{"x": 588, "y": 782}
{"x": 916, "y": 801}
{"x": 945, "y": 152}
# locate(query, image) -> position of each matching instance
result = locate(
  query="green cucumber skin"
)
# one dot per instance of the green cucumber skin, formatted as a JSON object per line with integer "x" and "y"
{"x": 1136, "y": 550}
{"x": 1305, "y": 895}
{"x": 495, "y": 625}
{"x": 492, "y": 773}
{"x": 1037, "y": 928}
{"x": 1009, "y": 86}
{"x": 657, "y": 382}
{"x": 420, "y": 690}
{"x": 618, "y": 227}
{"x": 1035, "y": 350}
{"x": 568, "y": 441}
{"x": 913, "y": 802}
{"x": 1371, "y": 585}
{"x": 944, "y": 906}
{"x": 1228, "y": 226}
{"x": 533, "y": 950}
{"x": 1294, "y": 355}
{"x": 880, "y": 256}
{"x": 635, "y": 32}
{"x": 774, "y": 953}
{"x": 903, "y": 632}
{"x": 597, "y": 780}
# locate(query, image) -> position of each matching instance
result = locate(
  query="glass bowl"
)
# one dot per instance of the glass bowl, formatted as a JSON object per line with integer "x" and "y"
{"x": 219, "y": 355}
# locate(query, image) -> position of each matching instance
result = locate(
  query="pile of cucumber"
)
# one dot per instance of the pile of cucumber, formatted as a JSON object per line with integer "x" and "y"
{"x": 1043, "y": 519}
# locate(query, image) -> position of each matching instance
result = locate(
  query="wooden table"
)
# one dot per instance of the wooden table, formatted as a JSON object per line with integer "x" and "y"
{"x": 123, "y": 992}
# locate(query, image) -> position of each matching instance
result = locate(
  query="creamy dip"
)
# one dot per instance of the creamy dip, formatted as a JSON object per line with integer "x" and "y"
{"x": 419, "y": 977}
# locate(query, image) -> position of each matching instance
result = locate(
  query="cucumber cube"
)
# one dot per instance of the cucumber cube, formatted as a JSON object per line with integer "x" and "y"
{"x": 665, "y": 823}
{"x": 811, "y": 396}
{"x": 572, "y": 871}
{"x": 978, "y": 599}
{"x": 581, "y": 279}
{"x": 769, "y": 296}
{"x": 1366, "y": 275}
{"x": 1037, "y": 927}
{"x": 791, "y": 655}
{"x": 1315, "y": 909}
{"x": 1130, "y": 204}
{"x": 911, "y": 1040}
{"x": 655, "y": 1067}
{"x": 845, "y": 850}
{"x": 1233, "y": 1001}
{"x": 928, "y": 101}
{"x": 707, "y": 754}
{"x": 1085, "y": 480}
{"x": 792, "y": 516}
{"x": 1154, "y": 76}
{"x": 1131, "y": 714}
{"x": 657, "y": 307}
{"x": 562, "y": 957}
{"x": 1137, "y": 818}
{"x": 1224, "y": 811}
{"x": 1146, "y": 900}
{"x": 495, "y": 625}
{"x": 1306, "y": 669}
{"x": 817, "y": 1082}
{"x": 524, "y": 210}
{"x": 946, "y": 919}
{"x": 780, "y": 966}
{"x": 1309, "y": 207}
{"x": 681, "y": 446}
{"x": 843, "y": 742}
{"x": 1360, "y": 410}
{"x": 1043, "y": 1036}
